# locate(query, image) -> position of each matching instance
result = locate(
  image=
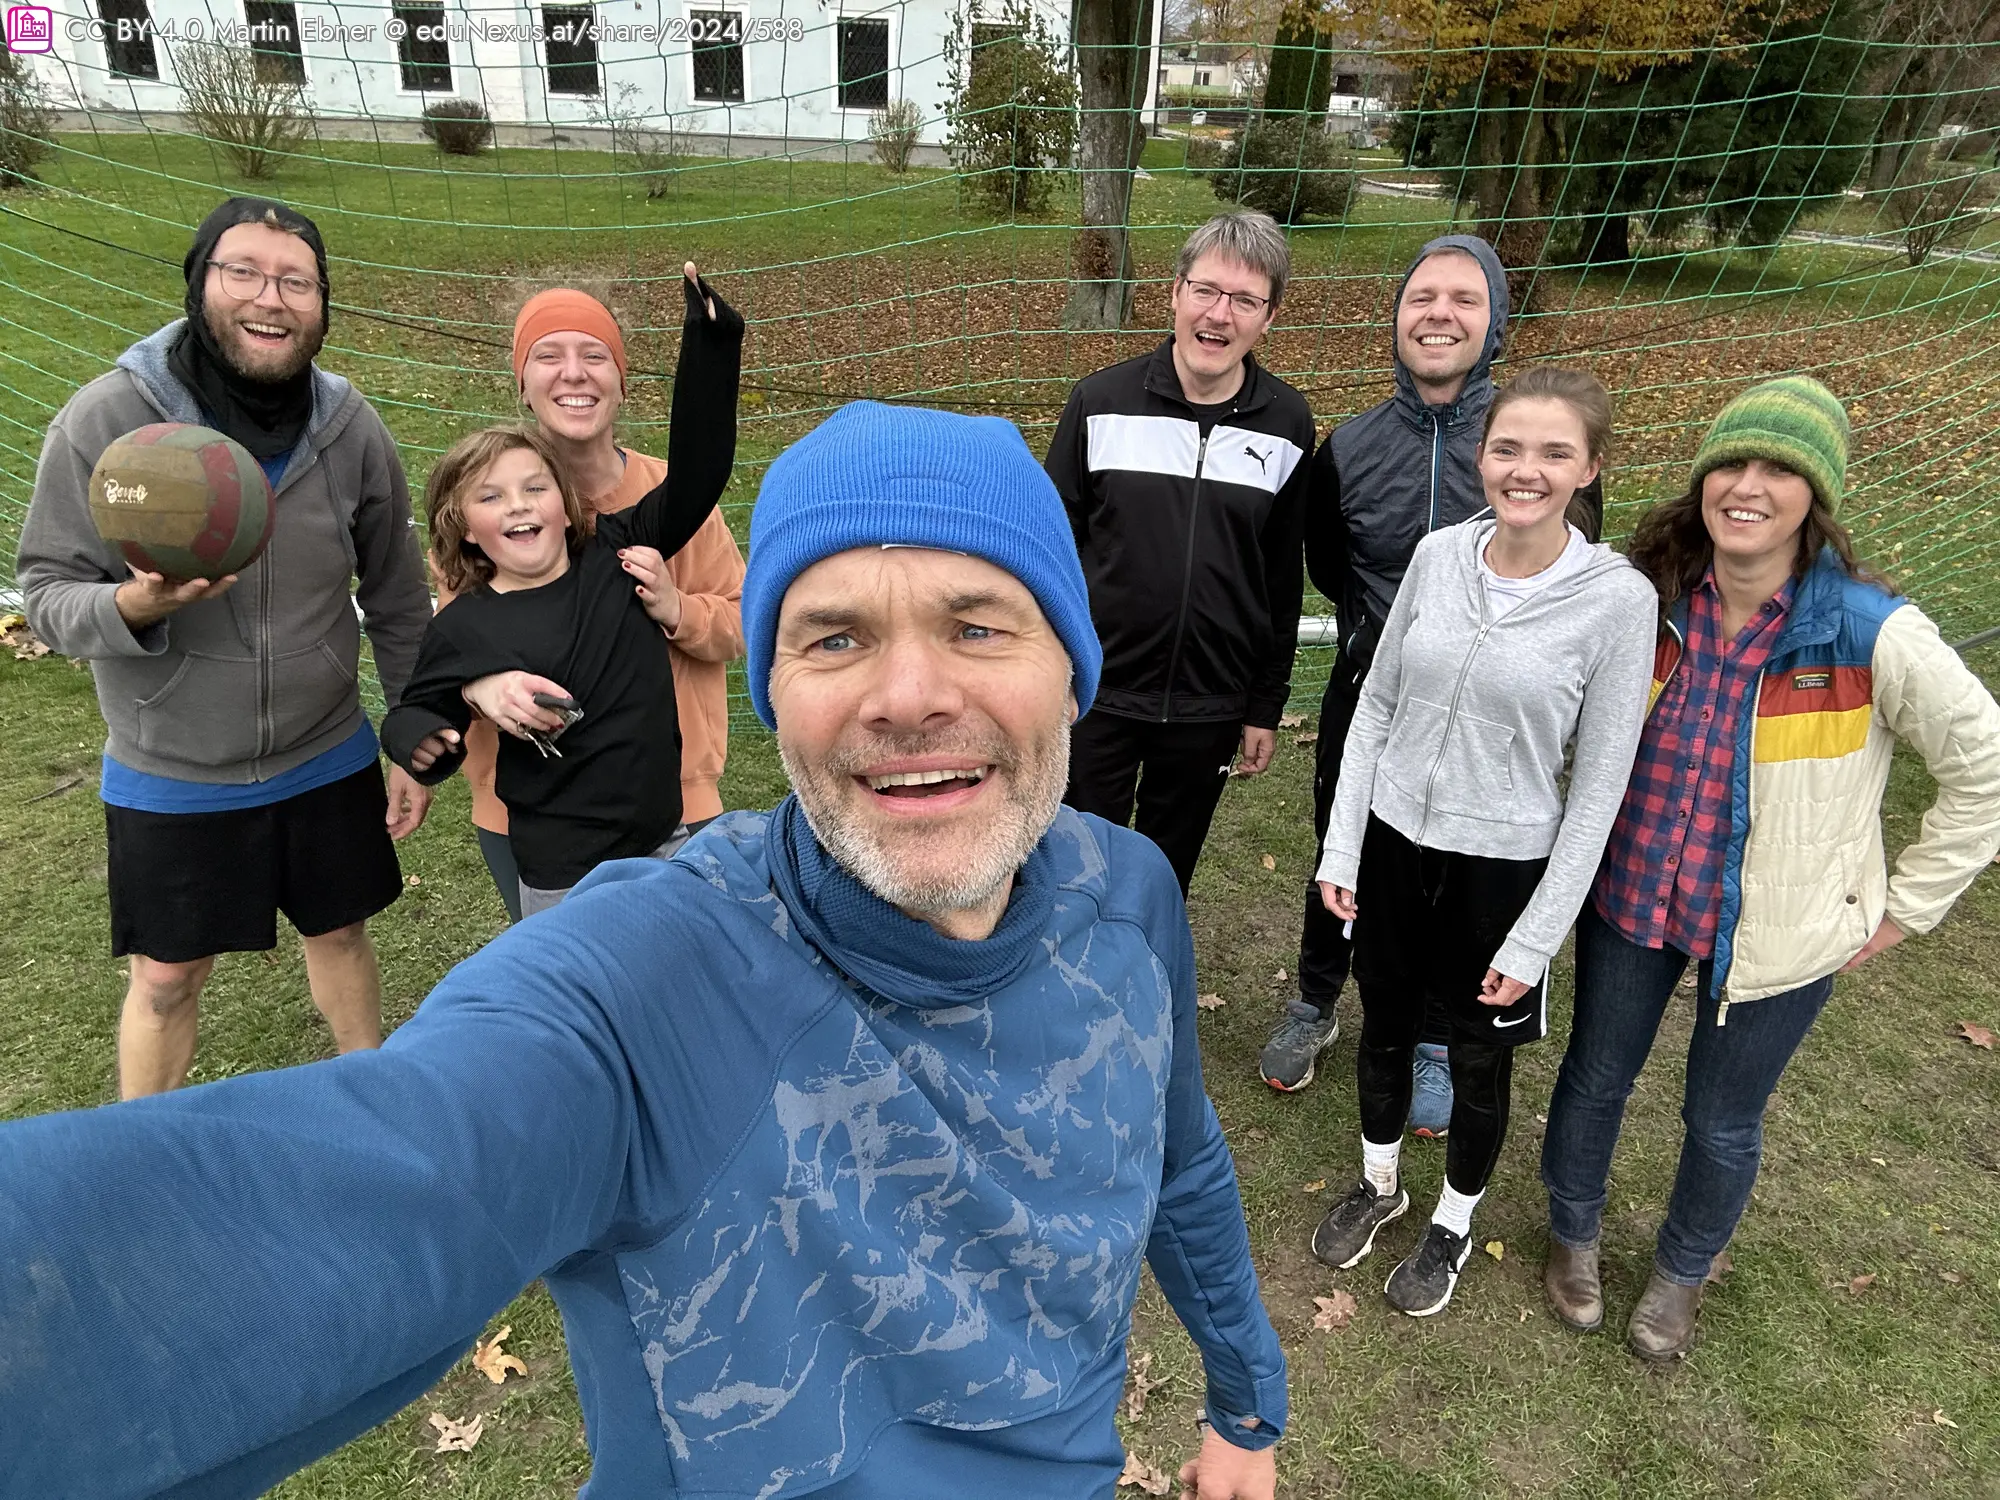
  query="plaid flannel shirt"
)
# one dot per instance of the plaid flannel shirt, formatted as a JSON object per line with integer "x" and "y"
{"x": 1661, "y": 880}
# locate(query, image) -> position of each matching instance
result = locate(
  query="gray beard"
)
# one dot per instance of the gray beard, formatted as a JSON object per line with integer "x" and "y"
{"x": 1032, "y": 800}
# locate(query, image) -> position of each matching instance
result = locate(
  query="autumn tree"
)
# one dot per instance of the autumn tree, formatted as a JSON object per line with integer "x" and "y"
{"x": 1521, "y": 64}
{"x": 1941, "y": 66}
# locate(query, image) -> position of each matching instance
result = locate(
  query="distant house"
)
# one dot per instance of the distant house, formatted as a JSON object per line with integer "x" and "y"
{"x": 1215, "y": 70}
{"x": 774, "y": 75}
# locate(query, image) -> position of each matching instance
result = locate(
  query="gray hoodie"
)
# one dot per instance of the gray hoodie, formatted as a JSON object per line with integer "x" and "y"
{"x": 1463, "y": 724}
{"x": 244, "y": 687}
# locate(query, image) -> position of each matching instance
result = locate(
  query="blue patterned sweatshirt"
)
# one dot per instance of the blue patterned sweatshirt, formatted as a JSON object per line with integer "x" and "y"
{"x": 831, "y": 1204}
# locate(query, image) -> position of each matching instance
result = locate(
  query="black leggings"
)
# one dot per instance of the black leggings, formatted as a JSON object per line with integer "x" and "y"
{"x": 1482, "y": 1079}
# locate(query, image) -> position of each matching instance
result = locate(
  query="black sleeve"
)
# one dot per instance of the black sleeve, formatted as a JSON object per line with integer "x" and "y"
{"x": 431, "y": 700}
{"x": 701, "y": 433}
{"x": 1068, "y": 465}
{"x": 1326, "y": 526}
{"x": 1586, "y": 510}
{"x": 1284, "y": 589}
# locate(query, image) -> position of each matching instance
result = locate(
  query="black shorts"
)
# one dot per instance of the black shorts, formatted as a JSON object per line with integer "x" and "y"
{"x": 1430, "y": 923}
{"x": 188, "y": 885}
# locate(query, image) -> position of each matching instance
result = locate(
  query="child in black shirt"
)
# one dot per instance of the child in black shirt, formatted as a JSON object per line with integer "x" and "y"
{"x": 545, "y": 612}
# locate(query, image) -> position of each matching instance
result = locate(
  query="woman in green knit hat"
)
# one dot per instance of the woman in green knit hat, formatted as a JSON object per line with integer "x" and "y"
{"x": 1750, "y": 839}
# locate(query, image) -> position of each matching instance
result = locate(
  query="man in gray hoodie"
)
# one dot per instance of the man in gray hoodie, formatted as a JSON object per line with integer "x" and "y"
{"x": 241, "y": 777}
{"x": 1381, "y": 482}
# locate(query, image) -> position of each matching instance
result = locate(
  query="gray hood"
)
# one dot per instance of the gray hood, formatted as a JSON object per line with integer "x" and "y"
{"x": 1478, "y": 384}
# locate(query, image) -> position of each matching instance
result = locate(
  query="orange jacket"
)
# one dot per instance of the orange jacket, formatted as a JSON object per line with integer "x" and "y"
{"x": 709, "y": 573}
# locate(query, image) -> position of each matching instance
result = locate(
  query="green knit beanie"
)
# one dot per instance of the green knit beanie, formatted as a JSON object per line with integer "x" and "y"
{"x": 1794, "y": 421}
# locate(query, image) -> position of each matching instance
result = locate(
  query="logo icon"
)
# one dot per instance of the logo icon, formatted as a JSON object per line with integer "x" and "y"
{"x": 1260, "y": 457}
{"x": 31, "y": 28}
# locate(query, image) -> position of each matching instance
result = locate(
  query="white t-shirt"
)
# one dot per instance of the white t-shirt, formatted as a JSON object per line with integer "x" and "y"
{"x": 1505, "y": 594}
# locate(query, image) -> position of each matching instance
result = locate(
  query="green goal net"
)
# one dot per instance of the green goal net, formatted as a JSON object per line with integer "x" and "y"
{"x": 905, "y": 200}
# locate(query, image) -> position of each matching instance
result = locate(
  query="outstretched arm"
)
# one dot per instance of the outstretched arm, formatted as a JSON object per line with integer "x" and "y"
{"x": 701, "y": 432}
{"x": 203, "y": 1291}
{"x": 1200, "y": 1246}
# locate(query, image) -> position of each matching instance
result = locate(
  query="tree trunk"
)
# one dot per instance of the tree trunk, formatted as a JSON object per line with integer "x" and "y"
{"x": 1607, "y": 238}
{"x": 1113, "y": 51}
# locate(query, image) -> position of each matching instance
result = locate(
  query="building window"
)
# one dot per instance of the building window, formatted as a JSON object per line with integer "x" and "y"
{"x": 128, "y": 41}
{"x": 274, "y": 37}
{"x": 864, "y": 62}
{"x": 1201, "y": 79}
{"x": 572, "y": 44}
{"x": 717, "y": 38}
{"x": 423, "y": 53}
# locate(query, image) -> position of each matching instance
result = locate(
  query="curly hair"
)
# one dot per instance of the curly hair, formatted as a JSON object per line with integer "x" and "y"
{"x": 461, "y": 564}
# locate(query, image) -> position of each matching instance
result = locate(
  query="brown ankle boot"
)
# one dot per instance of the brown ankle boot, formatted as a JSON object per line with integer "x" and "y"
{"x": 1662, "y": 1326}
{"x": 1575, "y": 1290}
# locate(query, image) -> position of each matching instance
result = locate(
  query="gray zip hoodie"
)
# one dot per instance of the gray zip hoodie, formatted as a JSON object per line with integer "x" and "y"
{"x": 247, "y": 686}
{"x": 1464, "y": 722}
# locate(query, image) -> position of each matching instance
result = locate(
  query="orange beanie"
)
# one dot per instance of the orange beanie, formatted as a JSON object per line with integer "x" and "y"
{"x": 565, "y": 310}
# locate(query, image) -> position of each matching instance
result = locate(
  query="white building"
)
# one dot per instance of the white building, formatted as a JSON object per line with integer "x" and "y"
{"x": 774, "y": 75}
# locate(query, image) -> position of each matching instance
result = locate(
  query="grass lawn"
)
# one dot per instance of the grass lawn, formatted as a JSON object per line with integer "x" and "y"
{"x": 1881, "y": 1160}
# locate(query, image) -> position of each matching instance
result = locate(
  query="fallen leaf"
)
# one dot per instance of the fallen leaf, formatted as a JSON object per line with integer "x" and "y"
{"x": 26, "y": 644}
{"x": 1279, "y": 975}
{"x": 1209, "y": 1002}
{"x": 490, "y": 1360}
{"x": 1718, "y": 1268}
{"x": 1290, "y": 721}
{"x": 1144, "y": 1475}
{"x": 1860, "y": 1284}
{"x": 413, "y": 880}
{"x": 1257, "y": 1134}
{"x": 1334, "y": 1313}
{"x": 1879, "y": 1161}
{"x": 1270, "y": 862}
{"x": 1304, "y": 739}
{"x": 1939, "y": 1419}
{"x": 1976, "y": 1034}
{"x": 457, "y": 1437}
{"x": 1951, "y": 1278}
{"x": 1317, "y": 1185}
{"x": 1141, "y": 1385}
{"x": 1524, "y": 1316}
{"x": 1496, "y": 1249}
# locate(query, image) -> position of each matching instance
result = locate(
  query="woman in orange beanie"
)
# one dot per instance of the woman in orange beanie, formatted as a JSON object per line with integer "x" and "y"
{"x": 569, "y": 368}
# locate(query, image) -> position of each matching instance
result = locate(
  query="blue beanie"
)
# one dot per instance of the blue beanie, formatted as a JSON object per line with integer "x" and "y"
{"x": 872, "y": 474}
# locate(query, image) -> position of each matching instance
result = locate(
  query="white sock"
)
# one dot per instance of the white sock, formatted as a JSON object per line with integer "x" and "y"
{"x": 1378, "y": 1165}
{"x": 1454, "y": 1210}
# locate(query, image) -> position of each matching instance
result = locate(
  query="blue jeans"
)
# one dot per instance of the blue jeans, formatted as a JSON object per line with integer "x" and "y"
{"x": 1621, "y": 993}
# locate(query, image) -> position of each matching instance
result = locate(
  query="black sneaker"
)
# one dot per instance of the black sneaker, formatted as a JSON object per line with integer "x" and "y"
{"x": 1423, "y": 1283}
{"x": 1348, "y": 1231}
{"x": 1287, "y": 1060}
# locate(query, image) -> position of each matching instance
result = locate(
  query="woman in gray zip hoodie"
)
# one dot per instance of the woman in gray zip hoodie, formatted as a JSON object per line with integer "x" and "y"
{"x": 1512, "y": 640}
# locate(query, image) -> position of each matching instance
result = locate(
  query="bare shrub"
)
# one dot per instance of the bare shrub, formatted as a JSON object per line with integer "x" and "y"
{"x": 458, "y": 127}
{"x": 656, "y": 149}
{"x": 238, "y": 103}
{"x": 1939, "y": 209}
{"x": 894, "y": 132}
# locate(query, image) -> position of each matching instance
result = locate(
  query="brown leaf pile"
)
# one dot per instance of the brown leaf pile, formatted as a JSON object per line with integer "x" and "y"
{"x": 1143, "y": 1475}
{"x": 18, "y": 638}
{"x": 457, "y": 1437}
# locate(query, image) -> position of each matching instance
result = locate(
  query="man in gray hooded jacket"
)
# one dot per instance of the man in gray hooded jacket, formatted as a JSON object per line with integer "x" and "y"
{"x": 1381, "y": 482}
{"x": 241, "y": 777}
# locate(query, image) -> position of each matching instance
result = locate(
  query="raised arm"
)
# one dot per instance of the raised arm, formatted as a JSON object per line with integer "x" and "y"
{"x": 701, "y": 432}
{"x": 203, "y": 1291}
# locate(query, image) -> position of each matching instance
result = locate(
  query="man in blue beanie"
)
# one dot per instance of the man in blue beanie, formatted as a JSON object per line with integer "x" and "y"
{"x": 839, "y": 1139}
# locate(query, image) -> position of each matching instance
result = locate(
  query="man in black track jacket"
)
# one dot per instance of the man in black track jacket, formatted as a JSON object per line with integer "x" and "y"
{"x": 1184, "y": 473}
{"x": 1381, "y": 482}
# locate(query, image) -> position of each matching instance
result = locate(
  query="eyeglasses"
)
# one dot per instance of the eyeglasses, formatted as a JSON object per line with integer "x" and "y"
{"x": 1204, "y": 296}
{"x": 245, "y": 283}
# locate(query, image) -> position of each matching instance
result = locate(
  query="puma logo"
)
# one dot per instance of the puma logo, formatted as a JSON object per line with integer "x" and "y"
{"x": 1260, "y": 457}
